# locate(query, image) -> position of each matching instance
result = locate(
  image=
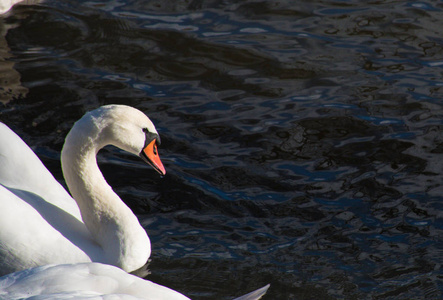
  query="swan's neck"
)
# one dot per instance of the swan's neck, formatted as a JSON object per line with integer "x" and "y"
{"x": 112, "y": 224}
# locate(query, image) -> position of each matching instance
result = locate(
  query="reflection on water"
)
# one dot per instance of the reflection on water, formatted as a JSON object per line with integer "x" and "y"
{"x": 302, "y": 139}
{"x": 10, "y": 85}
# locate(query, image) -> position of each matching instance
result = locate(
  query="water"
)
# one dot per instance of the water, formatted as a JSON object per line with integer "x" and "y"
{"x": 302, "y": 139}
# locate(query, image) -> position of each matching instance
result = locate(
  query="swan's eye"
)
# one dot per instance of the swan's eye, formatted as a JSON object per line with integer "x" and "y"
{"x": 145, "y": 130}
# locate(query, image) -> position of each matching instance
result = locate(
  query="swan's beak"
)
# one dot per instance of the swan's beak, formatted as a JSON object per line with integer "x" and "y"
{"x": 150, "y": 155}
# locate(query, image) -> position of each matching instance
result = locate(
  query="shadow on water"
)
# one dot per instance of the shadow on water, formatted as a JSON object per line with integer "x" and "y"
{"x": 302, "y": 140}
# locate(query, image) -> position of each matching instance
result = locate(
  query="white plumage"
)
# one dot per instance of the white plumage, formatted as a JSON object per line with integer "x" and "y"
{"x": 40, "y": 223}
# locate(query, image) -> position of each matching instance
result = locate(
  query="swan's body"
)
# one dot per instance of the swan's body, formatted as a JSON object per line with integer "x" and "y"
{"x": 81, "y": 281}
{"x": 88, "y": 281}
{"x": 39, "y": 221}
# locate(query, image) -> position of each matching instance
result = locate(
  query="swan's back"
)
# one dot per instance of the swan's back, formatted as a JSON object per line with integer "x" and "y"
{"x": 78, "y": 281}
{"x": 89, "y": 281}
{"x": 21, "y": 169}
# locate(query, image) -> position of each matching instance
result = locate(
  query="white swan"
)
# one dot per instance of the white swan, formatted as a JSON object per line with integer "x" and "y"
{"x": 41, "y": 224}
{"x": 88, "y": 281}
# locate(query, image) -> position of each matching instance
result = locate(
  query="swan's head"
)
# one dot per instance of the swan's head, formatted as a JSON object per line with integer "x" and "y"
{"x": 129, "y": 129}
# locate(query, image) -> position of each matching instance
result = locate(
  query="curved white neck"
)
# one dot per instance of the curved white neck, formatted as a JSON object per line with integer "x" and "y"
{"x": 112, "y": 224}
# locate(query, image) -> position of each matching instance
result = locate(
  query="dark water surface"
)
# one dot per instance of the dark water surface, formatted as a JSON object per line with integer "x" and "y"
{"x": 302, "y": 139}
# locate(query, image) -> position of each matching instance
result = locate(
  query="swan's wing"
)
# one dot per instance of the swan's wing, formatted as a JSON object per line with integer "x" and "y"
{"x": 255, "y": 295}
{"x": 34, "y": 232}
{"x": 39, "y": 222}
{"x": 76, "y": 296}
{"x": 82, "y": 280}
{"x": 21, "y": 169}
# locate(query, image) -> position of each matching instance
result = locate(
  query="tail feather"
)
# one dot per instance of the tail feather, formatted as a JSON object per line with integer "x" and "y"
{"x": 255, "y": 295}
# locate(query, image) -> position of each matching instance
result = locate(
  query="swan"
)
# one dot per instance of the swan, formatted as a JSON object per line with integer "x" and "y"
{"x": 40, "y": 223}
{"x": 88, "y": 281}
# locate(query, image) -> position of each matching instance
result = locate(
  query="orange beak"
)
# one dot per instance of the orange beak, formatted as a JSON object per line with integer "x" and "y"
{"x": 150, "y": 155}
